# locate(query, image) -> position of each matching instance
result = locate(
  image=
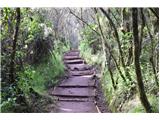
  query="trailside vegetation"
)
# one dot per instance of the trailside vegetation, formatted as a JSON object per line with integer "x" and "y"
{"x": 121, "y": 43}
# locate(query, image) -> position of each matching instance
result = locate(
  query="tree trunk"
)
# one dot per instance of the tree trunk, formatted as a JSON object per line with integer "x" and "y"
{"x": 155, "y": 11}
{"x": 15, "y": 36}
{"x": 84, "y": 22}
{"x": 102, "y": 41}
{"x": 105, "y": 51}
{"x": 152, "y": 55}
{"x": 109, "y": 50}
{"x": 142, "y": 27}
{"x": 82, "y": 17}
{"x": 111, "y": 73}
{"x": 127, "y": 74}
{"x": 116, "y": 35}
{"x": 143, "y": 97}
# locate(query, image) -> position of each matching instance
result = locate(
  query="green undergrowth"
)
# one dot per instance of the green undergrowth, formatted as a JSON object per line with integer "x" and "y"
{"x": 125, "y": 98}
{"x": 86, "y": 53}
{"x": 44, "y": 75}
{"x": 35, "y": 81}
{"x": 134, "y": 105}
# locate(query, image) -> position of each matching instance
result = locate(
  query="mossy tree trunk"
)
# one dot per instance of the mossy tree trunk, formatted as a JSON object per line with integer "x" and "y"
{"x": 143, "y": 97}
{"x": 13, "y": 54}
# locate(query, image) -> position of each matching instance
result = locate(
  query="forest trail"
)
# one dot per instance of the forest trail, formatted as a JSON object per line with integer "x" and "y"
{"x": 77, "y": 93}
{"x": 121, "y": 44}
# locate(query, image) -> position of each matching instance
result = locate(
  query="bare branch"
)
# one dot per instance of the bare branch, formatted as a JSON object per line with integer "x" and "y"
{"x": 84, "y": 22}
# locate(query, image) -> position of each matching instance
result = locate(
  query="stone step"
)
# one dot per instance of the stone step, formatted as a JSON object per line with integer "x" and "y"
{"x": 81, "y": 81}
{"x": 71, "y": 57}
{"x": 79, "y": 66}
{"x": 74, "y": 92}
{"x": 76, "y": 61}
{"x": 81, "y": 73}
{"x": 77, "y": 93}
{"x": 78, "y": 99}
{"x": 75, "y": 107}
{"x": 72, "y": 53}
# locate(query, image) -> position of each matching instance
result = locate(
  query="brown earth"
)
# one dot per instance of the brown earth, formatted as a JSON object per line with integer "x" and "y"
{"x": 79, "y": 92}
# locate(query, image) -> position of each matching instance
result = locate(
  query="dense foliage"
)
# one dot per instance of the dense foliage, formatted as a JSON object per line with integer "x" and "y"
{"x": 112, "y": 51}
{"x": 122, "y": 43}
{"x": 38, "y": 61}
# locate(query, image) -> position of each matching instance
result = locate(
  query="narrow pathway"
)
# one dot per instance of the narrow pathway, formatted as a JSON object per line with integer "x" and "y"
{"x": 77, "y": 93}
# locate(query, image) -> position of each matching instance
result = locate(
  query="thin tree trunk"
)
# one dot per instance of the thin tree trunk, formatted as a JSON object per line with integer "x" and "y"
{"x": 155, "y": 11}
{"x": 117, "y": 66}
{"x": 142, "y": 27}
{"x": 116, "y": 35}
{"x": 15, "y": 36}
{"x": 152, "y": 53}
{"x": 104, "y": 44}
{"x": 115, "y": 18}
{"x": 154, "y": 70}
{"x": 126, "y": 29}
{"x": 143, "y": 97}
{"x": 111, "y": 74}
{"x": 84, "y": 22}
{"x": 109, "y": 49}
{"x": 20, "y": 99}
{"x": 102, "y": 41}
{"x": 82, "y": 17}
{"x": 119, "y": 44}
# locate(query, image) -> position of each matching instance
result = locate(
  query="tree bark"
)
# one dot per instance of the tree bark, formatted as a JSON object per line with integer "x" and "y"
{"x": 84, "y": 22}
{"x": 142, "y": 27}
{"x": 15, "y": 36}
{"x": 111, "y": 73}
{"x": 127, "y": 74}
{"x": 155, "y": 11}
{"x": 102, "y": 41}
{"x": 152, "y": 55}
{"x": 115, "y": 18}
{"x": 143, "y": 97}
{"x": 82, "y": 17}
{"x": 116, "y": 35}
{"x": 105, "y": 44}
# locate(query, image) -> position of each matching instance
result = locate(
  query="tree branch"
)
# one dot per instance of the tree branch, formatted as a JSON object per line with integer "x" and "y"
{"x": 155, "y": 12}
{"x": 84, "y": 22}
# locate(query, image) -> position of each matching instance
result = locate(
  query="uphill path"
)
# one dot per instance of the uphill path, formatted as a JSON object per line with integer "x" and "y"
{"x": 77, "y": 93}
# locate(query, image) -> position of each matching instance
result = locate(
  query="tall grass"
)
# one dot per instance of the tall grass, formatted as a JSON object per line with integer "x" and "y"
{"x": 39, "y": 78}
{"x": 42, "y": 76}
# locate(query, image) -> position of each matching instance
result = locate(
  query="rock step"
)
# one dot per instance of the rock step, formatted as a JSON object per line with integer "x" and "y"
{"x": 81, "y": 73}
{"x": 78, "y": 99}
{"x": 76, "y": 61}
{"x": 74, "y": 92}
{"x": 75, "y": 107}
{"x": 77, "y": 93}
{"x": 81, "y": 81}
{"x": 71, "y": 57}
{"x": 72, "y": 53}
{"x": 79, "y": 67}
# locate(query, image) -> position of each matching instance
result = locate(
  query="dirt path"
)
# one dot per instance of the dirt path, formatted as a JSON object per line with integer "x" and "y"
{"x": 77, "y": 93}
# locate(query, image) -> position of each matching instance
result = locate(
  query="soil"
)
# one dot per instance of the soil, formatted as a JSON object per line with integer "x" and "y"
{"x": 80, "y": 91}
{"x": 100, "y": 99}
